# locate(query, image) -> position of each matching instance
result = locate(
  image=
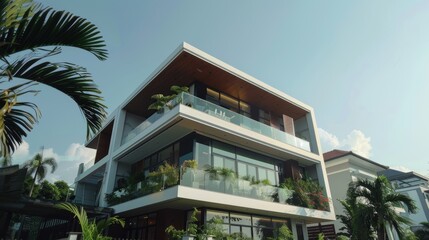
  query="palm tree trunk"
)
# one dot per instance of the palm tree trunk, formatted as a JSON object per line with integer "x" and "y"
{"x": 34, "y": 181}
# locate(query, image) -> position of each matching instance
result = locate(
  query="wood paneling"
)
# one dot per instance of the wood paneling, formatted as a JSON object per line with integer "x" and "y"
{"x": 186, "y": 69}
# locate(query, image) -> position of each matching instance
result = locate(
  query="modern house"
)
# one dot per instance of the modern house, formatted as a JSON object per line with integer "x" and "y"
{"x": 343, "y": 167}
{"x": 416, "y": 187}
{"x": 224, "y": 147}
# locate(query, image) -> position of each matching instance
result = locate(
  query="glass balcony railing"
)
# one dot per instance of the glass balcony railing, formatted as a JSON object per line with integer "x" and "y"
{"x": 240, "y": 120}
{"x": 219, "y": 180}
{"x": 221, "y": 113}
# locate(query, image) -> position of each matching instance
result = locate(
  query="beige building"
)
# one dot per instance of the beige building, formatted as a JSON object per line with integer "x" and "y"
{"x": 343, "y": 167}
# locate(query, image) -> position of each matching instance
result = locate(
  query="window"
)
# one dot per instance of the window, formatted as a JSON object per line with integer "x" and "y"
{"x": 256, "y": 227}
{"x": 141, "y": 227}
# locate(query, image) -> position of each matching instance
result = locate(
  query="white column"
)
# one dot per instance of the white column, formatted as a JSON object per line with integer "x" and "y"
{"x": 112, "y": 165}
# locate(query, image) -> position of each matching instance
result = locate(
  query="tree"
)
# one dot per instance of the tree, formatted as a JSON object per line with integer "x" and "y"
{"x": 90, "y": 229}
{"x": 29, "y": 36}
{"x": 39, "y": 167}
{"x": 379, "y": 200}
{"x": 423, "y": 233}
{"x": 63, "y": 189}
{"x": 48, "y": 191}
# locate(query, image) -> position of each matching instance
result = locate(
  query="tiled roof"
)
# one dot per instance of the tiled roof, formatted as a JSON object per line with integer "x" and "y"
{"x": 334, "y": 154}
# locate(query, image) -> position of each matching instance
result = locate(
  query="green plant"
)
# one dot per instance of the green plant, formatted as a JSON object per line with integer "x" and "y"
{"x": 320, "y": 236}
{"x": 90, "y": 229}
{"x": 266, "y": 182}
{"x": 307, "y": 193}
{"x": 30, "y": 36}
{"x": 283, "y": 233}
{"x": 227, "y": 173}
{"x": 160, "y": 101}
{"x": 214, "y": 228}
{"x": 213, "y": 173}
{"x": 341, "y": 237}
{"x": 191, "y": 164}
{"x": 112, "y": 199}
{"x": 38, "y": 165}
{"x": 174, "y": 233}
{"x": 246, "y": 178}
{"x": 191, "y": 230}
{"x": 169, "y": 173}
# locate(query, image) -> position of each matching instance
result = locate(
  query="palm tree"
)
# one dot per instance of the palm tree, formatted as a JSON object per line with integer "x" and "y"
{"x": 423, "y": 233}
{"x": 90, "y": 229}
{"x": 38, "y": 166}
{"x": 380, "y": 200}
{"x": 29, "y": 36}
{"x": 357, "y": 219}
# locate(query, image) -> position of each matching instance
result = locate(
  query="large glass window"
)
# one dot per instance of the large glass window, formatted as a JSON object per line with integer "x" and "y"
{"x": 141, "y": 227}
{"x": 246, "y": 164}
{"x": 228, "y": 102}
{"x": 252, "y": 226}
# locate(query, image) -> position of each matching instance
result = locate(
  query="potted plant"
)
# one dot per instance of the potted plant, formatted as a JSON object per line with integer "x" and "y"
{"x": 169, "y": 173}
{"x": 191, "y": 230}
{"x": 160, "y": 101}
{"x": 189, "y": 168}
{"x": 228, "y": 177}
{"x": 284, "y": 193}
{"x": 244, "y": 186}
{"x": 212, "y": 182}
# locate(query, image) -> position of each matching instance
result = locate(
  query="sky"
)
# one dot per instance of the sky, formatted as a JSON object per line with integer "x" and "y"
{"x": 362, "y": 65}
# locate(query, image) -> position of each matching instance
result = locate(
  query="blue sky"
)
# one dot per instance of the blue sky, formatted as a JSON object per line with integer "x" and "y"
{"x": 362, "y": 65}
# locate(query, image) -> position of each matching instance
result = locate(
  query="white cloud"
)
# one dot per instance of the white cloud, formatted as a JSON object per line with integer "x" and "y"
{"x": 358, "y": 143}
{"x": 68, "y": 163}
{"x": 21, "y": 154}
{"x": 355, "y": 141}
{"x": 328, "y": 140}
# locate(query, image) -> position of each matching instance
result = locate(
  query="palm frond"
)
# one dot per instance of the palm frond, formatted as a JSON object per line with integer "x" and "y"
{"x": 48, "y": 27}
{"x": 16, "y": 118}
{"x": 397, "y": 199}
{"x": 51, "y": 162}
{"x": 13, "y": 11}
{"x": 72, "y": 80}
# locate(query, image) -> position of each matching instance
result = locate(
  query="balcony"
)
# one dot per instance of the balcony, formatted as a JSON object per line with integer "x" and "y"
{"x": 302, "y": 193}
{"x": 221, "y": 113}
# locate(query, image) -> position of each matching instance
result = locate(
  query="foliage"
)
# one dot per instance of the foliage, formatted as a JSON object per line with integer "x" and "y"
{"x": 174, "y": 233}
{"x": 370, "y": 208}
{"x": 29, "y": 37}
{"x": 90, "y": 229}
{"x": 48, "y": 191}
{"x": 341, "y": 237}
{"x": 5, "y": 161}
{"x": 320, "y": 236}
{"x": 357, "y": 221}
{"x": 307, "y": 193}
{"x": 28, "y": 183}
{"x": 423, "y": 233}
{"x": 283, "y": 233}
{"x": 39, "y": 167}
{"x": 409, "y": 235}
{"x": 191, "y": 229}
{"x": 63, "y": 189}
{"x": 192, "y": 164}
{"x": 166, "y": 175}
{"x": 160, "y": 101}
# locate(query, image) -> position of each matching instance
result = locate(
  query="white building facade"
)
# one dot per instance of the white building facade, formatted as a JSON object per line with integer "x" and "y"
{"x": 226, "y": 147}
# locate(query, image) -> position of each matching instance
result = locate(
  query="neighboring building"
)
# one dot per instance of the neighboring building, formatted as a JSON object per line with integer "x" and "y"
{"x": 343, "y": 167}
{"x": 246, "y": 138}
{"x": 416, "y": 187}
